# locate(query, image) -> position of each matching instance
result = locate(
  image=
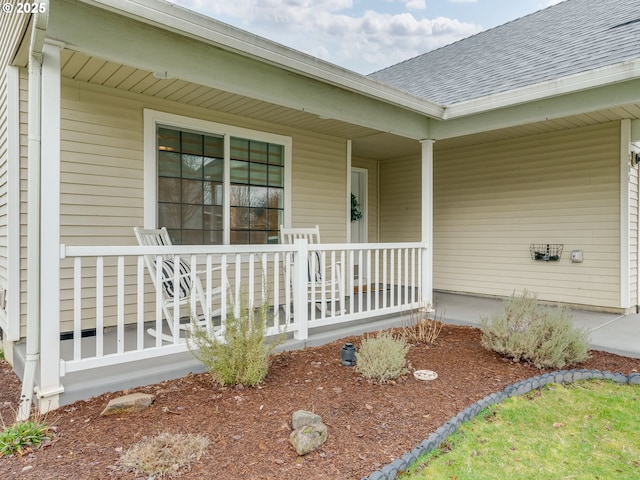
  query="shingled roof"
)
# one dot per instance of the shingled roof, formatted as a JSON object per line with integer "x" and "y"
{"x": 572, "y": 37}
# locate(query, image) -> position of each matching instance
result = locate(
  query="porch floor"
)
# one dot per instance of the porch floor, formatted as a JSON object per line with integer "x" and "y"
{"x": 614, "y": 333}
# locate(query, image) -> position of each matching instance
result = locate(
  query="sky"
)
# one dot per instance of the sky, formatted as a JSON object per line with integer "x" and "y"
{"x": 365, "y": 35}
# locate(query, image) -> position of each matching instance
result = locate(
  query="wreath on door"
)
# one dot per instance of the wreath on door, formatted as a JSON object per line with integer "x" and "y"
{"x": 356, "y": 213}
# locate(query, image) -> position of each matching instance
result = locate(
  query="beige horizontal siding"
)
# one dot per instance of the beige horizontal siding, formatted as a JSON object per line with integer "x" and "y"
{"x": 319, "y": 190}
{"x": 493, "y": 200}
{"x": 400, "y": 200}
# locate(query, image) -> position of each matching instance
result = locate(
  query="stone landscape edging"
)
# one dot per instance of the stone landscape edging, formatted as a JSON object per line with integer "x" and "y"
{"x": 391, "y": 470}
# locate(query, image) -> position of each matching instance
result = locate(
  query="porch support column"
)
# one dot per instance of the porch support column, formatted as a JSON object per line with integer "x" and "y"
{"x": 49, "y": 387}
{"x": 426, "y": 295}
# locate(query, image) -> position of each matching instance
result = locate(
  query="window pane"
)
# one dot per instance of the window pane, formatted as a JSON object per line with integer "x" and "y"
{"x": 274, "y": 220}
{"x": 276, "y": 198}
{"x": 258, "y": 197}
{"x": 258, "y": 219}
{"x": 239, "y": 172}
{"x": 258, "y": 237}
{"x": 169, "y": 215}
{"x": 212, "y": 237}
{"x": 239, "y": 238}
{"x": 276, "y": 176}
{"x": 273, "y": 236}
{"x": 212, "y": 218}
{"x": 213, "y": 169}
{"x": 176, "y": 236}
{"x": 192, "y": 143}
{"x": 168, "y": 164}
{"x": 192, "y": 237}
{"x": 192, "y": 192}
{"x": 239, "y": 149}
{"x": 212, "y": 193}
{"x": 213, "y": 146}
{"x": 192, "y": 166}
{"x": 239, "y": 196}
{"x": 192, "y": 216}
{"x": 168, "y": 140}
{"x": 276, "y": 154}
{"x": 258, "y": 174}
{"x": 258, "y": 152}
{"x": 169, "y": 190}
{"x": 239, "y": 217}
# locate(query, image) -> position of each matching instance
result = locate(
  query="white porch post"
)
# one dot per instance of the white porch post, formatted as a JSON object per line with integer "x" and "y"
{"x": 300, "y": 273}
{"x": 49, "y": 386}
{"x": 426, "y": 295}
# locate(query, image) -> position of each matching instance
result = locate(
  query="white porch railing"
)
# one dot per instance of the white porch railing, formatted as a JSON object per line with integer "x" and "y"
{"x": 109, "y": 303}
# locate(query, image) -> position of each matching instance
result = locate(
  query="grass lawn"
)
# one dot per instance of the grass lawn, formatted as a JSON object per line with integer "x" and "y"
{"x": 585, "y": 430}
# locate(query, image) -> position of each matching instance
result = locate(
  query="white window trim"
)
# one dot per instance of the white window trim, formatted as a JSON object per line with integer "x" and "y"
{"x": 153, "y": 118}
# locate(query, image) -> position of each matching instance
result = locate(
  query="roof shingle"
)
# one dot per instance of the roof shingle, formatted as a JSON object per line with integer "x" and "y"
{"x": 572, "y": 37}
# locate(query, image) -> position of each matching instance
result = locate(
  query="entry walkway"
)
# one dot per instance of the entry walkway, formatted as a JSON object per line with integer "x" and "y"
{"x": 609, "y": 332}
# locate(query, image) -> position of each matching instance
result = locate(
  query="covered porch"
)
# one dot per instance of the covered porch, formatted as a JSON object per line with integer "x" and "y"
{"x": 83, "y": 301}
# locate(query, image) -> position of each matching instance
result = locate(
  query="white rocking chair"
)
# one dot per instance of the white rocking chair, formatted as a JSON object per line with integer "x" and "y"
{"x": 321, "y": 279}
{"x": 184, "y": 283}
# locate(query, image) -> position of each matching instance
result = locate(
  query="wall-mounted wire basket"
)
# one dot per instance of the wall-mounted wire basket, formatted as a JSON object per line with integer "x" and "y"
{"x": 547, "y": 252}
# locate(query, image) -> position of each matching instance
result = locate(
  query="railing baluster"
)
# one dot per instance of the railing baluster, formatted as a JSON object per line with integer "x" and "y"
{"x": 159, "y": 301}
{"x": 99, "y": 306}
{"x": 77, "y": 308}
{"x": 140, "y": 304}
{"x": 120, "y": 305}
{"x": 361, "y": 292}
{"x": 352, "y": 288}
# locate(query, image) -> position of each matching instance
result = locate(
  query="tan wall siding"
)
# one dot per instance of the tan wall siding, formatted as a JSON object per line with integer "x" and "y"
{"x": 372, "y": 192}
{"x": 319, "y": 192}
{"x": 400, "y": 199}
{"x": 102, "y": 174}
{"x": 561, "y": 187}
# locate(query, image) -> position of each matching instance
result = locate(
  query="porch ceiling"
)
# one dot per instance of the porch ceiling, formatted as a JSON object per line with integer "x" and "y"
{"x": 367, "y": 142}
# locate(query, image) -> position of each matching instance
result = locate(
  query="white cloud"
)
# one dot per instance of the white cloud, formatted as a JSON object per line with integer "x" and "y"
{"x": 330, "y": 30}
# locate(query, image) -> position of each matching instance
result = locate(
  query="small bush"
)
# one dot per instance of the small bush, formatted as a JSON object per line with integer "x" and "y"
{"x": 543, "y": 336}
{"x": 23, "y": 436}
{"x": 382, "y": 358}
{"x": 241, "y": 357}
{"x": 421, "y": 326}
{"x": 163, "y": 455}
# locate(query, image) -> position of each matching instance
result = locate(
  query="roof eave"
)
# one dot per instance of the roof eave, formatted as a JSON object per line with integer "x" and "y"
{"x": 168, "y": 16}
{"x": 617, "y": 73}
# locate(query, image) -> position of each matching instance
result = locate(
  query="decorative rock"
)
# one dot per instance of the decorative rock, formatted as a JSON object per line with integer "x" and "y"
{"x": 302, "y": 417}
{"x": 308, "y": 438}
{"x": 128, "y": 403}
{"x": 634, "y": 378}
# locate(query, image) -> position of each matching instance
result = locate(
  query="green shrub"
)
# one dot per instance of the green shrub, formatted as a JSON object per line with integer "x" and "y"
{"x": 527, "y": 331}
{"x": 241, "y": 357}
{"x": 23, "y": 436}
{"x": 382, "y": 358}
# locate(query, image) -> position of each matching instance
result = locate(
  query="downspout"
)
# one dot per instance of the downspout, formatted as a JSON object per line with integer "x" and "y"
{"x": 32, "y": 357}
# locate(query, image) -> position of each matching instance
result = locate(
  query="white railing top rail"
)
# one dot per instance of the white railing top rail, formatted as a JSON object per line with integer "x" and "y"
{"x": 126, "y": 250}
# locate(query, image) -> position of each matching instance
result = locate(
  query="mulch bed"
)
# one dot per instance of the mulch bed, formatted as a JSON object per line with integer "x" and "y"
{"x": 369, "y": 424}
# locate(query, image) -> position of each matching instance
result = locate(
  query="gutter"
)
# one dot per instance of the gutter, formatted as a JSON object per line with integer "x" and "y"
{"x": 41, "y": 20}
